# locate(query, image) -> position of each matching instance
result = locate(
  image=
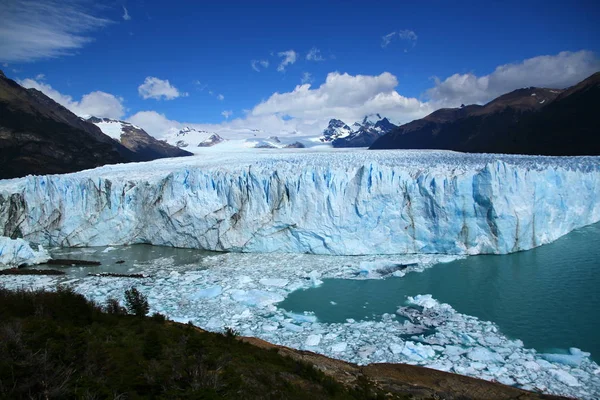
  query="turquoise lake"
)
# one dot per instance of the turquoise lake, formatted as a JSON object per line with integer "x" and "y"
{"x": 549, "y": 296}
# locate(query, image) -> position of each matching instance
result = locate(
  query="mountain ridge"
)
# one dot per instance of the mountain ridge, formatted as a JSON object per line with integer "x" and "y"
{"x": 145, "y": 146}
{"x": 360, "y": 134}
{"x": 536, "y": 121}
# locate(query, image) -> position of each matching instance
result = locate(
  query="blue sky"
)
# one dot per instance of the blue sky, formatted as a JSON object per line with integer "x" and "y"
{"x": 206, "y": 52}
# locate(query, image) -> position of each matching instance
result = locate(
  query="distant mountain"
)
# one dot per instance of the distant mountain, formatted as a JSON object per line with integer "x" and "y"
{"x": 525, "y": 121}
{"x": 360, "y": 134}
{"x": 192, "y": 137}
{"x": 39, "y": 136}
{"x": 136, "y": 139}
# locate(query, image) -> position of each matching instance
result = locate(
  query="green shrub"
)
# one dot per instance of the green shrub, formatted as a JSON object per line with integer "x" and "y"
{"x": 114, "y": 307}
{"x": 136, "y": 302}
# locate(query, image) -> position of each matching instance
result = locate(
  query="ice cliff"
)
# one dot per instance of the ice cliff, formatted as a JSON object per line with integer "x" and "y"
{"x": 342, "y": 202}
{"x": 14, "y": 252}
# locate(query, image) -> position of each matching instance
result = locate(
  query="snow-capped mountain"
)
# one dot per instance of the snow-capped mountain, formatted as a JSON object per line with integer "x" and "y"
{"x": 190, "y": 137}
{"x": 272, "y": 142}
{"x": 136, "y": 139}
{"x": 360, "y": 134}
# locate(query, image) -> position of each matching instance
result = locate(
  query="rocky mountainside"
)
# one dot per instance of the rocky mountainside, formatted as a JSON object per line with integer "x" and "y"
{"x": 525, "y": 121}
{"x": 137, "y": 140}
{"x": 39, "y": 136}
{"x": 360, "y": 134}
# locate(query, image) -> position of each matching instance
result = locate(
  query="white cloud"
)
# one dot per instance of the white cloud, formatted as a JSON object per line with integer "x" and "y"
{"x": 33, "y": 30}
{"x": 553, "y": 71}
{"x": 227, "y": 114}
{"x": 314, "y": 55}
{"x": 154, "y": 123}
{"x": 346, "y": 97}
{"x": 98, "y": 104}
{"x": 220, "y": 97}
{"x": 306, "y": 78}
{"x": 257, "y": 64}
{"x": 386, "y": 39}
{"x": 40, "y": 77}
{"x": 289, "y": 57}
{"x": 406, "y": 35}
{"x": 126, "y": 16}
{"x": 155, "y": 88}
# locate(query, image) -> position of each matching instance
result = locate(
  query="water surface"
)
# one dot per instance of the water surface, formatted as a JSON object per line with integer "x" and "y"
{"x": 548, "y": 297}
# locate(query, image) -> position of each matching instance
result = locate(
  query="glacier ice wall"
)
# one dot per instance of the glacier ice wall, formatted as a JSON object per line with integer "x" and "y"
{"x": 14, "y": 252}
{"x": 323, "y": 203}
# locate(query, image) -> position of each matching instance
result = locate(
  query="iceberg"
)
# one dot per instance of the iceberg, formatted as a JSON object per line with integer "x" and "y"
{"x": 332, "y": 203}
{"x": 15, "y": 252}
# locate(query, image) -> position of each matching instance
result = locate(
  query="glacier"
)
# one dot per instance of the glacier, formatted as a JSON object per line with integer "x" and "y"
{"x": 15, "y": 252}
{"x": 353, "y": 202}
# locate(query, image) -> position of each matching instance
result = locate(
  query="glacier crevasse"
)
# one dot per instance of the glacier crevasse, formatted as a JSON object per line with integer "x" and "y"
{"x": 329, "y": 203}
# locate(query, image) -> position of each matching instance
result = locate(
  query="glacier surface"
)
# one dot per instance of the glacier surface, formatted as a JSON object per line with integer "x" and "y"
{"x": 338, "y": 202}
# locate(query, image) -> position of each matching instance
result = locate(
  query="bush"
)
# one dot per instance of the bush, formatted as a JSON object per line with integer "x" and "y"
{"x": 136, "y": 302}
{"x": 231, "y": 333}
{"x": 114, "y": 307}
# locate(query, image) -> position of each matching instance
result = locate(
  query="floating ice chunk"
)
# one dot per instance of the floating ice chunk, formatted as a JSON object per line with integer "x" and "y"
{"x": 106, "y": 250}
{"x": 423, "y": 300}
{"x": 339, "y": 347}
{"x": 506, "y": 380}
{"x": 451, "y": 350}
{"x": 256, "y": 298}
{"x": 366, "y": 351}
{"x": 313, "y": 340}
{"x": 532, "y": 366}
{"x": 333, "y": 303}
{"x": 214, "y": 323}
{"x": 274, "y": 282}
{"x": 306, "y": 317}
{"x": 207, "y": 293}
{"x": 270, "y": 327}
{"x": 483, "y": 354}
{"x": 14, "y": 252}
{"x": 291, "y": 327}
{"x": 565, "y": 377}
{"x": 573, "y": 359}
{"x": 396, "y": 348}
{"x": 314, "y": 278}
{"x": 244, "y": 279}
{"x": 417, "y": 351}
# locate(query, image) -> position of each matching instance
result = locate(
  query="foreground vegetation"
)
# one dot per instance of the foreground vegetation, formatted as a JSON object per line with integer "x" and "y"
{"x": 60, "y": 345}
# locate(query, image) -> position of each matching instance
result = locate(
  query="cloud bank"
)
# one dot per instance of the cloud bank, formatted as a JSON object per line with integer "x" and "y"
{"x": 34, "y": 30}
{"x": 98, "y": 104}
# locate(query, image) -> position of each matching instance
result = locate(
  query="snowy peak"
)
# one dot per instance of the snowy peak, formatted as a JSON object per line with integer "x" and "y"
{"x": 334, "y": 130}
{"x": 360, "y": 134}
{"x": 112, "y": 127}
{"x": 190, "y": 137}
{"x": 136, "y": 139}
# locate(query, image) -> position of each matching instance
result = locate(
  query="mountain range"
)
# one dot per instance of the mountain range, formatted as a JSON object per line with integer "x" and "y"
{"x": 360, "y": 134}
{"x": 136, "y": 139}
{"x": 537, "y": 121}
{"x": 39, "y": 136}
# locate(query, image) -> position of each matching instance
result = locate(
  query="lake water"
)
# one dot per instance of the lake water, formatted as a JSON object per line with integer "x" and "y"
{"x": 549, "y": 297}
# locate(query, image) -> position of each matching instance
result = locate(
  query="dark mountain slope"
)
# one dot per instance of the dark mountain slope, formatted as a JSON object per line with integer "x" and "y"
{"x": 39, "y": 136}
{"x": 136, "y": 139}
{"x": 525, "y": 121}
